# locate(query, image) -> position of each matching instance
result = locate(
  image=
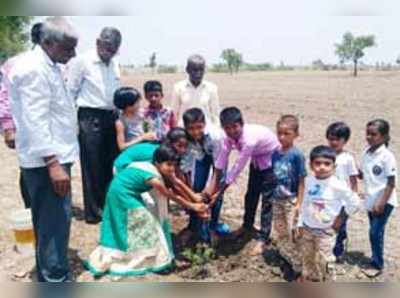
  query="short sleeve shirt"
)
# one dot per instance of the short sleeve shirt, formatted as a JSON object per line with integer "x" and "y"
{"x": 198, "y": 152}
{"x": 288, "y": 168}
{"x": 377, "y": 167}
{"x": 323, "y": 200}
{"x": 159, "y": 121}
{"x": 345, "y": 167}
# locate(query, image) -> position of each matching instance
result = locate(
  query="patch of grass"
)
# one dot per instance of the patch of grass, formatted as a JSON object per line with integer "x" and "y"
{"x": 199, "y": 255}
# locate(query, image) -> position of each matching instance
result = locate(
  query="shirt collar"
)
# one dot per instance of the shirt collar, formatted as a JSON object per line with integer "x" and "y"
{"x": 96, "y": 59}
{"x": 239, "y": 142}
{"x": 152, "y": 110}
{"x": 379, "y": 150}
{"x": 189, "y": 84}
{"x": 204, "y": 140}
{"x": 46, "y": 57}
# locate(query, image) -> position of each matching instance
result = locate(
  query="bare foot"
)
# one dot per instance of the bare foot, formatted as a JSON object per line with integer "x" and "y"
{"x": 239, "y": 232}
{"x": 258, "y": 248}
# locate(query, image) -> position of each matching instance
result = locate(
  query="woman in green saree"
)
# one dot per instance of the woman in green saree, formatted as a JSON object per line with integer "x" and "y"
{"x": 176, "y": 138}
{"x": 133, "y": 239}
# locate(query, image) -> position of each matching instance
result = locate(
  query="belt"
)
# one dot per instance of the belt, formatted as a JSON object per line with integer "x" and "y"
{"x": 107, "y": 115}
{"x": 95, "y": 110}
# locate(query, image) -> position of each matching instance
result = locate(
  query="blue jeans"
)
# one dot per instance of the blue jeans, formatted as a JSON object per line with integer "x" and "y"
{"x": 51, "y": 216}
{"x": 201, "y": 227}
{"x": 24, "y": 192}
{"x": 341, "y": 236}
{"x": 377, "y": 235}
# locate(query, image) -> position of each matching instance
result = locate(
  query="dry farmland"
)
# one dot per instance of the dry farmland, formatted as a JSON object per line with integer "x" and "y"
{"x": 318, "y": 98}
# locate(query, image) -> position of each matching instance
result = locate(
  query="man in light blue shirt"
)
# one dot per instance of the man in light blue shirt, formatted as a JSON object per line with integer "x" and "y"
{"x": 92, "y": 80}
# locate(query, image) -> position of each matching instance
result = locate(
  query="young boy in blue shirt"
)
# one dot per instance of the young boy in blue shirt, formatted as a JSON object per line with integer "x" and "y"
{"x": 197, "y": 164}
{"x": 288, "y": 164}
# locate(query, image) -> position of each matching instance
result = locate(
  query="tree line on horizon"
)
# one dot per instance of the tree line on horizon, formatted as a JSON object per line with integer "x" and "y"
{"x": 350, "y": 50}
{"x": 14, "y": 38}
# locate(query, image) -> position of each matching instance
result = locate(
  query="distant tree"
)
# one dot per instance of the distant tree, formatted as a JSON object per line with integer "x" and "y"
{"x": 167, "y": 68}
{"x": 398, "y": 60}
{"x": 266, "y": 66}
{"x": 233, "y": 59}
{"x": 352, "y": 48}
{"x": 318, "y": 64}
{"x": 283, "y": 66}
{"x": 153, "y": 62}
{"x": 14, "y": 35}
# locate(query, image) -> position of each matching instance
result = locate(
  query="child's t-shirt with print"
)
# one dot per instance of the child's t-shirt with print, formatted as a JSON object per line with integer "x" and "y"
{"x": 323, "y": 201}
{"x": 288, "y": 168}
{"x": 160, "y": 121}
{"x": 377, "y": 167}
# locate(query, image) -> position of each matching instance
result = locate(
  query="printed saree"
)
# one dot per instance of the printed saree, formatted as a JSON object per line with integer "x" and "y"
{"x": 135, "y": 236}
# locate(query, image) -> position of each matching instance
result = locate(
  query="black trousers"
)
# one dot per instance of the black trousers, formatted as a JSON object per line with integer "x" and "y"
{"x": 98, "y": 150}
{"x": 260, "y": 184}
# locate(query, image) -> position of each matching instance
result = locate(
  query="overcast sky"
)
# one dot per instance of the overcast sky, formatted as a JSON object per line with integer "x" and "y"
{"x": 296, "y": 32}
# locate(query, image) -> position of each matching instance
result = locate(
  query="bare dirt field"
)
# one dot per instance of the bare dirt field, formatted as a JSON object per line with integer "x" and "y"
{"x": 318, "y": 98}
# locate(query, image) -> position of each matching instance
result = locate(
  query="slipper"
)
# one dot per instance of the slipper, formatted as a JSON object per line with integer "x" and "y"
{"x": 371, "y": 272}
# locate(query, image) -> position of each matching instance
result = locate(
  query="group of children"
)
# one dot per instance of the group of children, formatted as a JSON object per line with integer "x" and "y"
{"x": 155, "y": 124}
{"x": 309, "y": 212}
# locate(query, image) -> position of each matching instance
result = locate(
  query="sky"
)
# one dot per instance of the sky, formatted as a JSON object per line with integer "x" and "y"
{"x": 295, "y": 32}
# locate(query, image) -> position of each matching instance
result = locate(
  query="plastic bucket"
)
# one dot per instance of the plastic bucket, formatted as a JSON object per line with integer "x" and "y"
{"x": 21, "y": 225}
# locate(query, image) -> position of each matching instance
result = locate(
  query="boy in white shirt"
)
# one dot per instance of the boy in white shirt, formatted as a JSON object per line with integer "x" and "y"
{"x": 320, "y": 214}
{"x": 379, "y": 171}
{"x": 338, "y": 134}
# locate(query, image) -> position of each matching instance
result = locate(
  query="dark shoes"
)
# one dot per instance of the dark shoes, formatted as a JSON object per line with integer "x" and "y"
{"x": 92, "y": 220}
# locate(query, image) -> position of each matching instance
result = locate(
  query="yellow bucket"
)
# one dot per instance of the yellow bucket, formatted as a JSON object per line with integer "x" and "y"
{"x": 21, "y": 225}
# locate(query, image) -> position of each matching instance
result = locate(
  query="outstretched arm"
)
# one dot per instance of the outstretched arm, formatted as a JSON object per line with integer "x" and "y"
{"x": 215, "y": 185}
{"x": 159, "y": 186}
{"x": 181, "y": 188}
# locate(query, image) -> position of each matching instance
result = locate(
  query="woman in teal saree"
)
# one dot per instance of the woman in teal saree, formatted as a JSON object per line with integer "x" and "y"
{"x": 135, "y": 236}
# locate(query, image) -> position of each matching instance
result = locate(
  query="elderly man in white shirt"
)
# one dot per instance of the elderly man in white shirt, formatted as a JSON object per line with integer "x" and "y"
{"x": 46, "y": 143}
{"x": 92, "y": 80}
{"x": 195, "y": 92}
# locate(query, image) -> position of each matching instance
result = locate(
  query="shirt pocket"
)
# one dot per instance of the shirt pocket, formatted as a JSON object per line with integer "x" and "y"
{"x": 60, "y": 101}
{"x": 186, "y": 99}
{"x": 115, "y": 80}
{"x": 90, "y": 125}
{"x": 205, "y": 101}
